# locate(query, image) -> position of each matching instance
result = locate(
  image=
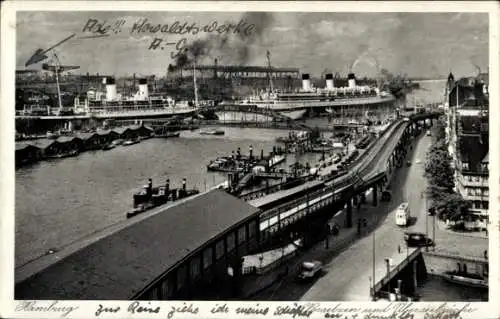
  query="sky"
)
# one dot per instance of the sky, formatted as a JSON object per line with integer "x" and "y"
{"x": 418, "y": 44}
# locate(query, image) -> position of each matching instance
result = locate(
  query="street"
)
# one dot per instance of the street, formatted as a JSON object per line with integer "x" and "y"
{"x": 348, "y": 274}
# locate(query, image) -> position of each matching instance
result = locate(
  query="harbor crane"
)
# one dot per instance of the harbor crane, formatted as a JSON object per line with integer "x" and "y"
{"x": 57, "y": 68}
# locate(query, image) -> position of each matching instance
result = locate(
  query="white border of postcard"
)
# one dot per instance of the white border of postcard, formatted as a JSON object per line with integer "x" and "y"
{"x": 86, "y": 309}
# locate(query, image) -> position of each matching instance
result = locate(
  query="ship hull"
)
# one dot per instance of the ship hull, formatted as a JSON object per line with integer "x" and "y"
{"x": 335, "y": 104}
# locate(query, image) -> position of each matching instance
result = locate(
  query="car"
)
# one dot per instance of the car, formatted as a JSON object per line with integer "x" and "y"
{"x": 417, "y": 161}
{"x": 310, "y": 269}
{"x": 417, "y": 240}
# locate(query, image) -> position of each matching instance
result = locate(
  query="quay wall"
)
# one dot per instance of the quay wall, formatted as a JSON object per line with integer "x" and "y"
{"x": 439, "y": 262}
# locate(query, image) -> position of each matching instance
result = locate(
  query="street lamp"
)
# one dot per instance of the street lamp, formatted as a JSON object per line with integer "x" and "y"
{"x": 434, "y": 232}
{"x": 372, "y": 288}
{"x": 426, "y": 221}
{"x": 373, "y": 263}
{"x": 388, "y": 264}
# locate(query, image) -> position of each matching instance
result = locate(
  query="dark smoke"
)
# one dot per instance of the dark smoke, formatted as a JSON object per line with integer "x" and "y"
{"x": 229, "y": 46}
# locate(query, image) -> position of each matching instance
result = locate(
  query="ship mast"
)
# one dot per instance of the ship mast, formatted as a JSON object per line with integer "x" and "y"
{"x": 268, "y": 56}
{"x": 195, "y": 87}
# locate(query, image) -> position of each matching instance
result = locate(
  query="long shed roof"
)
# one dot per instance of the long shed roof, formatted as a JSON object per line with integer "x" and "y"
{"x": 120, "y": 265}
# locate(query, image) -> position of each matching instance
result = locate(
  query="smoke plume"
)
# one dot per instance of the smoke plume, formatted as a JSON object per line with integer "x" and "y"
{"x": 229, "y": 46}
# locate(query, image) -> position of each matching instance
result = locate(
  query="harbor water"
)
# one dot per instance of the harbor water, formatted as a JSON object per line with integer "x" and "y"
{"x": 437, "y": 289}
{"x": 62, "y": 201}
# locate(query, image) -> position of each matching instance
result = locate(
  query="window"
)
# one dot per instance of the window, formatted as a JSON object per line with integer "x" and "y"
{"x": 486, "y": 205}
{"x": 165, "y": 289}
{"x": 477, "y": 191}
{"x": 219, "y": 249}
{"x": 242, "y": 234}
{"x": 195, "y": 267}
{"x": 469, "y": 191}
{"x": 465, "y": 165}
{"x": 486, "y": 192}
{"x": 207, "y": 257}
{"x": 230, "y": 242}
{"x": 151, "y": 294}
{"x": 171, "y": 287}
{"x": 181, "y": 277}
{"x": 252, "y": 229}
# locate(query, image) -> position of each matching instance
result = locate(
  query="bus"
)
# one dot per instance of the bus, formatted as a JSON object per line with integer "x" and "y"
{"x": 403, "y": 215}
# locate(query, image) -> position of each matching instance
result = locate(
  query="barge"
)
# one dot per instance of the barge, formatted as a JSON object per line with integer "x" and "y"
{"x": 466, "y": 279}
{"x": 150, "y": 197}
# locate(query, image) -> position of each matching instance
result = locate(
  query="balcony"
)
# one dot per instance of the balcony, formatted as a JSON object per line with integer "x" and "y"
{"x": 482, "y": 182}
{"x": 469, "y": 195}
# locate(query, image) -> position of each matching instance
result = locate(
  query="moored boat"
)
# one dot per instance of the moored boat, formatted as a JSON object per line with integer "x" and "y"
{"x": 70, "y": 153}
{"x": 168, "y": 134}
{"x": 108, "y": 146}
{"x": 212, "y": 132}
{"x": 150, "y": 197}
{"x": 131, "y": 142}
{"x": 466, "y": 279}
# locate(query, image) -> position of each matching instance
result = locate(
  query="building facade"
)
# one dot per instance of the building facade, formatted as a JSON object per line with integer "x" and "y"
{"x": 468, "y": 138}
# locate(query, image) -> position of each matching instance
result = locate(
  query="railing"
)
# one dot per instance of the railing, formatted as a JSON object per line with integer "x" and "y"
{"x": 387, "y": 278}
{"x": 272, "y": 189}
{"x": 338, "y": 184}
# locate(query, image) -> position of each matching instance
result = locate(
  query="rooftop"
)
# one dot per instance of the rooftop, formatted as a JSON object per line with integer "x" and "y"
{"x": 22, "y": 146}
{"x": 264, "y": 200}
{"x": 240, "y": 68}
{"x": 119, "y": 265}
{"x": 42, "y": 143}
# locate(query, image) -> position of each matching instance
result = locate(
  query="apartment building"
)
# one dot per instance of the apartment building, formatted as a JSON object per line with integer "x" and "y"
{"x": 468, "y": 138}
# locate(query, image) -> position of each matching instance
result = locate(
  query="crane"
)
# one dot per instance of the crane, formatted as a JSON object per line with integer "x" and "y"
{"x": 57, "y": 68}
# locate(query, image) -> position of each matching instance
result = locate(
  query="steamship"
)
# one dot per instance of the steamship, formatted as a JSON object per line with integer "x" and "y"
{"x": 350, "y": 100}
{"x": 141, "y": 104}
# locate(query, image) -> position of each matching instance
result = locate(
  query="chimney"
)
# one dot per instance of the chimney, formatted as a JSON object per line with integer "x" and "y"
{"x": 143, "y": 89}
{"x": 306, "y": 82}
{"x": 110, "y": 89}
{"x": 215, "y": 68}
{"x": 329, "y": 81}
{"x": 351, "y": 80}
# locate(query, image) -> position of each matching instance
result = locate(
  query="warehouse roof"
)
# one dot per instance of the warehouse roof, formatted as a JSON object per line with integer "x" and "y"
{"x": 118, "y": 266}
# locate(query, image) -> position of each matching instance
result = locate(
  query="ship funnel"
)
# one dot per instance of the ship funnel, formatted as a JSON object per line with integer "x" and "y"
{"x": 351, "y": 79}
{"x": 329, "y": 81}
{"x": 143, "y": 89}
{"x": 110, "y": 89}
{"x": 306, "y": 82}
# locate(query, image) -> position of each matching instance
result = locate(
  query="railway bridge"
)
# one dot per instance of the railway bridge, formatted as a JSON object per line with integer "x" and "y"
{"x": 179, "y": 250}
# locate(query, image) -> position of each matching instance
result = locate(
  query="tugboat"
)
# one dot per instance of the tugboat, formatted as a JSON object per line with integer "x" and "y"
{"x": 150, "y": 197}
